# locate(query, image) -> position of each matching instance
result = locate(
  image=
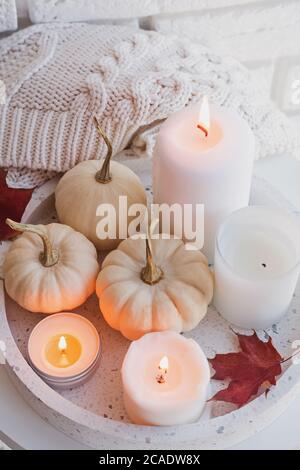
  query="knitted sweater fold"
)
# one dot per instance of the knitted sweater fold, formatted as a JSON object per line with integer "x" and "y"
{"x": 57, "y": 77}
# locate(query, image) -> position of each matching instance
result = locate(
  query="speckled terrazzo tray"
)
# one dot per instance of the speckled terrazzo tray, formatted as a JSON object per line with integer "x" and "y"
{"x": 94, "y": 413}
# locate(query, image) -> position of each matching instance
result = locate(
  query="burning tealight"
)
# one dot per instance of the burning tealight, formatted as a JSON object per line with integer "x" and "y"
{"x": 64, "y": 349}
{"x": 165, "y": 379}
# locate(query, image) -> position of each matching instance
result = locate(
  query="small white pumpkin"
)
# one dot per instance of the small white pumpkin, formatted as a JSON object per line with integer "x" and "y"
{"x": 50, "y": 268}
{"x": 83, "y": 188}
{"x": 171, "y": 291}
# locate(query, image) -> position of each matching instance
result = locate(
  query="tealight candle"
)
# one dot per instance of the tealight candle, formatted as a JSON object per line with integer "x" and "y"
{"x": 204, "y": 158}
{"x": 64, "y": 349}
{"x": 257, "y": 264}
{"x": 165, "y": 379}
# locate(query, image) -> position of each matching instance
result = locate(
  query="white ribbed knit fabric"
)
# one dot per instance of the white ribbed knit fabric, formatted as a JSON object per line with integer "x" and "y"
{"x": 58, "y": 76}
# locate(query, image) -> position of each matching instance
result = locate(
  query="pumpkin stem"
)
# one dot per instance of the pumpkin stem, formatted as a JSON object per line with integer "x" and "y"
{"x": 151, "y": 273}
{"x": 49, "y": 256}
{"x": 103, "y": 176}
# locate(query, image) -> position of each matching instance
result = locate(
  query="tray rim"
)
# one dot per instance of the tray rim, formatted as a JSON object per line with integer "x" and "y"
{"x": 217, "y": 433}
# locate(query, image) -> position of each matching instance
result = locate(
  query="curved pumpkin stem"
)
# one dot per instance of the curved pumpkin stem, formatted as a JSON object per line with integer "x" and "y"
{"x": 103, "y": 176}
{"x": 49, "y": 256}
{"x": 151, "y": 273}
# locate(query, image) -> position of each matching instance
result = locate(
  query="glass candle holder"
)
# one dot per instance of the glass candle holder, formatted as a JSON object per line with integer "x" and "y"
{"x": 257, "y": 265}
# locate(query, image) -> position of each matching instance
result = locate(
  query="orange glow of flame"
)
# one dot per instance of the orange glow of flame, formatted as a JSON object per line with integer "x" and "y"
{"x": 62, "y": 344}
{"x": 204, "y": 116}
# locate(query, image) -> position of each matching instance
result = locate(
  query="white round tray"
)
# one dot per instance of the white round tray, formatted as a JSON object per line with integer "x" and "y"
{"x": 94, "y": 413}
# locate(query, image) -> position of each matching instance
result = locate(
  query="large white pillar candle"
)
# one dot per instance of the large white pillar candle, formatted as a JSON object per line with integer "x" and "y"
{"x": 257, "y": 264}
{"x": 165, "y": 379}
{"x": 190, "y": 167}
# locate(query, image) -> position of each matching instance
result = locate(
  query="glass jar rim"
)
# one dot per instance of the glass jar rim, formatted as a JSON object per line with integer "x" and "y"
{"x": 261, "y": 208}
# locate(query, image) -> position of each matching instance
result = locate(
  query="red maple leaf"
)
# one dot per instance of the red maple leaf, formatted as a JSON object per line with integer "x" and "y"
{"x": 12, "y": 204}
{"x": 256, "y": 365}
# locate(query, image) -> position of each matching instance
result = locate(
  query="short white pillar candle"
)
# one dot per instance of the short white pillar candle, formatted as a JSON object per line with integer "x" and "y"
{"x": 165, "y": 379}
{"x": 257, "y": 265}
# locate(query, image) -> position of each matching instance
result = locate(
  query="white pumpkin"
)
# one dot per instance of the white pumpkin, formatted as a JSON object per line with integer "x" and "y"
{"x": 83, "y": 188}
{"x": 171, "y": 291}
{"x": 50, "y": 268}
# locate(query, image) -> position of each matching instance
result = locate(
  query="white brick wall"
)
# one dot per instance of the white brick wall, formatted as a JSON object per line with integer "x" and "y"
{"x": 264, "y": 35}
{"x": 22, "y": 7}
{"x": 49, "y": 10}
{"x": 258, "y": 31}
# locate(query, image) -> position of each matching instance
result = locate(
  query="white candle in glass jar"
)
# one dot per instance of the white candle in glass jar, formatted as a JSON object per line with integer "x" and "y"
{"x": 257, "y": 265}
{"x": 210, "y": 164}
{"x": 165, "y": 379}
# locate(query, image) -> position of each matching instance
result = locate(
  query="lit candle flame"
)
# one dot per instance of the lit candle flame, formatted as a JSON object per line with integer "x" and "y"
{"x": 164, "y": 364}
{"x": 163, "y": 369}
{"x": 62, "y": 344}
{"x": 204, "y": 116}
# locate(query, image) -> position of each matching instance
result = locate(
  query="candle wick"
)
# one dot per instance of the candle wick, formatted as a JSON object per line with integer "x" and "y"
{"x": 202, "y": 129}
{"x": 161, "y": 378}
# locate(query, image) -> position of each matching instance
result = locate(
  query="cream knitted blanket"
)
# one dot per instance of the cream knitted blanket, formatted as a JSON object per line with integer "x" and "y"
{"x": 58, "y": 76}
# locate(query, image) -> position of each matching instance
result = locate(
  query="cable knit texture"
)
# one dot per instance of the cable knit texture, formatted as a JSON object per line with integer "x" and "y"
{"x": 58, "y": 76}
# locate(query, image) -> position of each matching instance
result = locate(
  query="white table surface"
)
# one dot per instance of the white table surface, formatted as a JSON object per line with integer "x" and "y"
{"x": 20, "y": 426}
